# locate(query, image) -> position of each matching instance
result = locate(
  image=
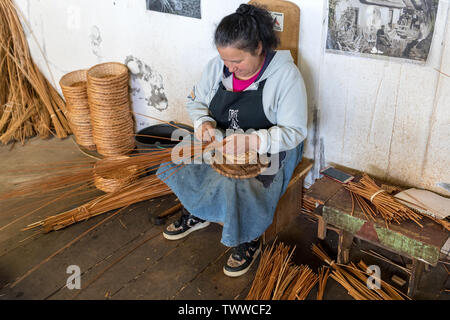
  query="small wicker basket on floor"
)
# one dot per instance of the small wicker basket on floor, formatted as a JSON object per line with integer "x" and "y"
{"x": 111, "y": 116}
{"x": 109, "y": 180}
{"x": 74, "y": 88}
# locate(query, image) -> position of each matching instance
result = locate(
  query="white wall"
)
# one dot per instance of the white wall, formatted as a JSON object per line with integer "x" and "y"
{"x": 389, "y": 118}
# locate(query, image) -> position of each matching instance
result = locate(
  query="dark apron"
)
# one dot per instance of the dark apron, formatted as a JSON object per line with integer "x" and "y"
{"x": 242, "y": 110}
{"x": 239, "y": 110}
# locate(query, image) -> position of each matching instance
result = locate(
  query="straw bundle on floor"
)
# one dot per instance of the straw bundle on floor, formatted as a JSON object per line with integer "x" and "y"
{"x": 277, "y": 278}
{"x": 74, "y": 88}
{"x": 28, "y": 102}
{"x": 355, "y": 280}
{"x": 111, "y": 117}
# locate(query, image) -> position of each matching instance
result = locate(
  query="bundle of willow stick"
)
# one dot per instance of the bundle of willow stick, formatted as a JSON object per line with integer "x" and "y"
{"x": 145, "y": 188}
{"x": 385, "y": 204}
{"x": 355, "y": 278}
{"x": 75, "y": 179}
{"x": 277, "y": 278}
{"x": 29, "y": 104}
{"x": 324, "y": 273}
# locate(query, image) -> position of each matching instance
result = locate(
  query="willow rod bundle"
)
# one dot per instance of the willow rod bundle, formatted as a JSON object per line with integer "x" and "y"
{"x": 324, "y": 273}
{"x": 385, "y": 204}
{"x": 81, "y": 177}
{"x": 28, "y": 102}
{"x": 277, "y": 278}
{"x": 143, "y": 189}
{"x": 67, "y": 176}
{"x": 306, "y": 280}
{"x": 146, "y": 188}
{"x": 355, "y": 280}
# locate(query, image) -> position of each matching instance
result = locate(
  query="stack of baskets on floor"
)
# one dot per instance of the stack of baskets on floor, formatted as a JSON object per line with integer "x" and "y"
{"x": 74, "y": 88}
{"x": 109, "y": 101}
{"x": 101, "y": 118}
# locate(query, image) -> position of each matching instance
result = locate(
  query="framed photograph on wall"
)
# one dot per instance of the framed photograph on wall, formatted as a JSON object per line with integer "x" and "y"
{"x": 382, "y": 28}
{"x": 188, "y": 8}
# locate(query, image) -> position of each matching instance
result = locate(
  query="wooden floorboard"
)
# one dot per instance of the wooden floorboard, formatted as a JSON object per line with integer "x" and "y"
{"x": 176, "y": 269}
{"x": 127, "y": 257}
{"x": 212, "y": 283}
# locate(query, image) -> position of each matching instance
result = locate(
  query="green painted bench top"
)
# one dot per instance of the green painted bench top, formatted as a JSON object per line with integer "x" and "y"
{"x": 406, "y": 238}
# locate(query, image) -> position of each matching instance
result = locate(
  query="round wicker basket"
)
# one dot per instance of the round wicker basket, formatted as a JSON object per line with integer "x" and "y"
{"x": 244, "y": 167}
{"x": 111, "y": 117}
{"x": 74, "y": 88}
{"x": 108, "y": 179}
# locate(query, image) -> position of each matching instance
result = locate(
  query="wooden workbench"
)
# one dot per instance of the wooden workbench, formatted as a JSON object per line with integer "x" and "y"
{"x": 333, "y": 210}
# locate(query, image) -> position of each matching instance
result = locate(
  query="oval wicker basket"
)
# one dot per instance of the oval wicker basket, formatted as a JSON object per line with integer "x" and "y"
{"x": 74, "y": 88}
{"x": 111, "y": 117}
{"x": 111, "y": 176}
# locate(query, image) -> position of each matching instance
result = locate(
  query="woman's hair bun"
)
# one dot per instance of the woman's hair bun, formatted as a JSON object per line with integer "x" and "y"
{"x": 245, "y": 9}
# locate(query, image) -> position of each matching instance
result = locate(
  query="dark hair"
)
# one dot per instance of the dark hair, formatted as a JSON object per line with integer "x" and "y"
{"x": 245, "y": 28}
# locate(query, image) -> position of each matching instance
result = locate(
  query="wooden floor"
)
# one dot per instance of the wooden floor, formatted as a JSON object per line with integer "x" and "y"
{"x": 125, "y": 256}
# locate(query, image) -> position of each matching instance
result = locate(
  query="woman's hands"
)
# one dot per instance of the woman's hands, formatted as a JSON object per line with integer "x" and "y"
{"x": 240, "y": 143}
{"x": 205, "y": 132}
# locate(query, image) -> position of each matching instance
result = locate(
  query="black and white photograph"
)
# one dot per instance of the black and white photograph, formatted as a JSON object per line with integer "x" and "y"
{"x": 188, "y": 8}
{"x": 388, "y": 28}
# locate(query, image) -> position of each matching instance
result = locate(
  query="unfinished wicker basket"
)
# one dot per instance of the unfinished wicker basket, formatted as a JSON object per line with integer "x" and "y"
{"x": 109, "y": 180}
{"x": 241, "y": 168}
{"x": 111, "y": 116}
{"x": 74, "y": 88}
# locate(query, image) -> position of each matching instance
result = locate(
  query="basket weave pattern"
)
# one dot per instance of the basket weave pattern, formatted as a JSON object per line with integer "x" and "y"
{"x": 111, "y": 118}
{"x": 74, "y": 88}
{"x": 109, "y": 180}
{"x": 244, "y": 167}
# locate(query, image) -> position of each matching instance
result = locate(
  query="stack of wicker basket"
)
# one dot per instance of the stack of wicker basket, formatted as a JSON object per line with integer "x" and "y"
{"x": 74, "y": 88}
{"x": 111, "y": 117}
{"x": 100, "y": 115}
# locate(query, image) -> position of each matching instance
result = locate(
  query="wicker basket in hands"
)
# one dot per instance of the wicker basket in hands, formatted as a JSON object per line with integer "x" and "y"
{"x": 74, "y": 88}
{"x": 111, "y": 117}
{"x": 238, "y": 167}
{"x": 111, "y": 180}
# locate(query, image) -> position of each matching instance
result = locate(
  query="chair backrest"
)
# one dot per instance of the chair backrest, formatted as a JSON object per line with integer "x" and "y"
{"x": 287, "y": 24}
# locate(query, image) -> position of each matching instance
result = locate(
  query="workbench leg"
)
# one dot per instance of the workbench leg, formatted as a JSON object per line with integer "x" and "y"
{"x": 416, "y": 274}
{"x": 321, "y": 228}
{"x": 344, "y": 244}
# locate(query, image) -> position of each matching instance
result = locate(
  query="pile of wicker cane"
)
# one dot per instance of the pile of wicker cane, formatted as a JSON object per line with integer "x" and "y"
{"x": 29, "y": 104}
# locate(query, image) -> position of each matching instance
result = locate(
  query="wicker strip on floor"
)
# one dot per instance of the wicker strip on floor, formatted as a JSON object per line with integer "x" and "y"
{"x": 74, "y": 88}
{"x": 111, "y": 117}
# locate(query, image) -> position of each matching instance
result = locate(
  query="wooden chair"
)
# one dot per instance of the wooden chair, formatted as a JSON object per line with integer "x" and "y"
{"x": 290, "y": 203}
{"x": 288, "y": 29}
